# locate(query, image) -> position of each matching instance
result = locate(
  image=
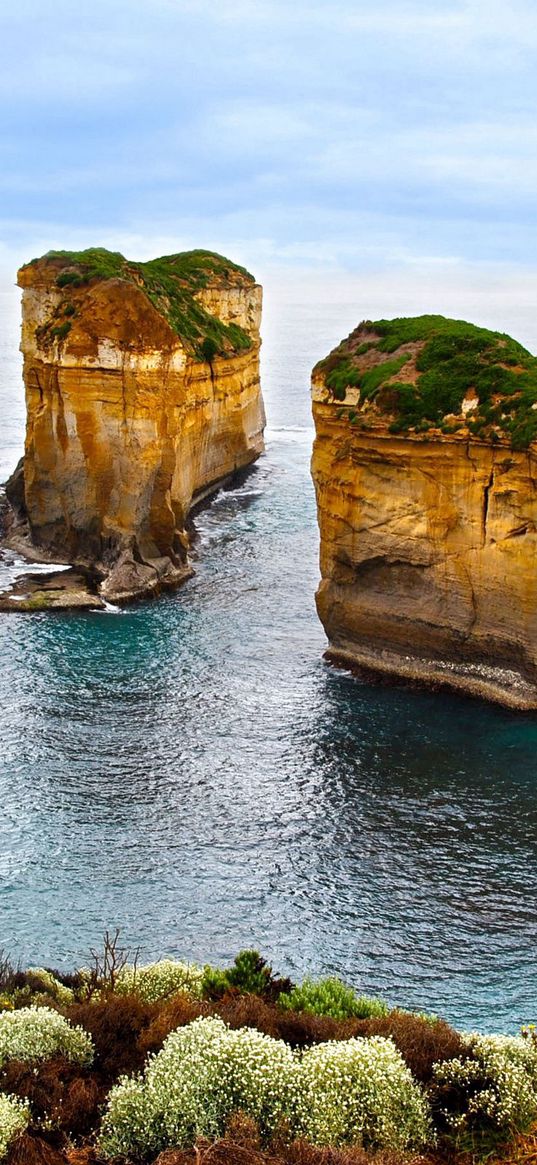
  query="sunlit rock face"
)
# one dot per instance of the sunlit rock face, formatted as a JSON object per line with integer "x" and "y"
{"x": 143, "y": 394}
{"x": 428, "y": 524}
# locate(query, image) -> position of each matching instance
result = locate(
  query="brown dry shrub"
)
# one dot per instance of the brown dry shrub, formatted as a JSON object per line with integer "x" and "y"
{"x": 299, "y": 1029}
{"x": 115, "y": 1024}
{"x": 249, "y": 1011}
{"x": 58, "y": 1089}
{"x": 301, "y": 1153}
{"x": 420, "y": 1042}
{"x": 230, "y": 1152}
{"x": 241, "y": 1145}
{"x": 85, "y": 1155}
{"x": 30, "y": 1150}
{"x": 173, "y": 1013}
{"x": 79, "y": 1112}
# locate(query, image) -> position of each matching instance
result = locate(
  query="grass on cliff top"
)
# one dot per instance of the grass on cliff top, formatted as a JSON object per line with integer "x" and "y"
{"x": 170, "y": 283}
{"x": 452, "y": 358}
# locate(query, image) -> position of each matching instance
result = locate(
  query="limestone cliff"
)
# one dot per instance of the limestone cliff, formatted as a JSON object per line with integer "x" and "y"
{"x": 426, "y": 481}
{"x": 143, "y": 394}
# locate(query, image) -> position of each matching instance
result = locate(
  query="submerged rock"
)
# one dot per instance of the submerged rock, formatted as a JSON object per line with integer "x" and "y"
{"x": 425, "y": 472}
{"x": 143, "y": 395}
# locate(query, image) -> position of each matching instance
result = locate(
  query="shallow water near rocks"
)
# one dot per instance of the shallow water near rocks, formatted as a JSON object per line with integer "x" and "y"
{"x": 191, "y": 770}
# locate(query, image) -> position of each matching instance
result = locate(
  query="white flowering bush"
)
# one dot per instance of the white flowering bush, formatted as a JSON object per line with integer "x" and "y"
{"x": 37, "y": 1033}
{"x": 50, "y": 985}
{"x": 360, "y": 1091}
{"x": 496, "y": 1085}
{"x": 158, "y": 980}
{"x": 14, "y": 1117}
{"x": 204, "y": 1072}
{"x": 336, "y": 1093}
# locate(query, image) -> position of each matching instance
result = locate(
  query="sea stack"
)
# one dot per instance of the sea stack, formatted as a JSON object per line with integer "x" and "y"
{"x": 425, "y": 472}
{"x": 143, "y": 395}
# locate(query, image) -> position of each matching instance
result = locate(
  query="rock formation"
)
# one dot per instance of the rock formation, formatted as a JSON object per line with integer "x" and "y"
{"x": 426, "y": 481}
{"x": 143, "y": 394}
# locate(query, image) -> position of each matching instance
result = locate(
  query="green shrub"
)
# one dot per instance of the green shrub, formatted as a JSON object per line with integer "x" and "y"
{"x": 61, "y": 331}
{"x": 204, "y": 1073}
{"x": 249, "y": 974}
{"x": 345, "y": 375}
{"x": 332, "y": 997}
{"x": 374, "y": 377}
{"x": 360, "y": 1091}
{"x": 451, "y": 357}
{"x": 14, "y": 1117}
{"x": 209, "y": 349}
{"x": 170, "y": 283}
{"x": 494, "y": 1086}
{"x": 159, "y": 980}
{"x": 36, "y": 1033}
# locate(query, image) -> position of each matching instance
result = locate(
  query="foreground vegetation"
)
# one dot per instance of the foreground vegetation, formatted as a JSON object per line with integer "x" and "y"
{"x": 175, "y": 1063}
{"x": 427, "y": 373}
{"x": 170, "y": 283}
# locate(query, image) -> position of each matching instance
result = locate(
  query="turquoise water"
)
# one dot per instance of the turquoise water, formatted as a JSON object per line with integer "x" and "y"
{"x": 191, "y": 770}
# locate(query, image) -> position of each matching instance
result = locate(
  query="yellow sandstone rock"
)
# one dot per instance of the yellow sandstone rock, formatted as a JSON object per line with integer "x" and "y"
{"x": 143, "y": 395}
{"x": 428, "y": 538}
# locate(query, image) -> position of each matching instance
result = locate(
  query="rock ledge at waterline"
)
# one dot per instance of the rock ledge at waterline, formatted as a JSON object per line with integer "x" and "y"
{"x": 425, "y": 473}
{"x": 143, "y": 396}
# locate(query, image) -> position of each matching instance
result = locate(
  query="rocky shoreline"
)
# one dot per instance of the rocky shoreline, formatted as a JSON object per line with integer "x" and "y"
{"x": 500, "y": 686}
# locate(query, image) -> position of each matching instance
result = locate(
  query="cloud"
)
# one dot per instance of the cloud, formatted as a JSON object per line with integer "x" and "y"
{"x": 344, "y": 133}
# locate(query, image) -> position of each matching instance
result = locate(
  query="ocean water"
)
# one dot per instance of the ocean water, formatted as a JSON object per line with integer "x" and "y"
{"x": 191, "y": 771}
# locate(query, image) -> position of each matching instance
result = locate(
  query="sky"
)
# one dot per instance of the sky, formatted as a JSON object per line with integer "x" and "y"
{"x": 389, "y": 142}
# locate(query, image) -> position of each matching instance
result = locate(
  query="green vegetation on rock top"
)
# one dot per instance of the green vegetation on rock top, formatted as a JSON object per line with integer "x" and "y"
{"x": 170, "y": 283}
{"x": 415, "y": 373}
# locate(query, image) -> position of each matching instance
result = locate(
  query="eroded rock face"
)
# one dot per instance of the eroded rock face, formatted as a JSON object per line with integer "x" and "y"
{"x": 143, "y": 394}
{"x": 428, "y": 542}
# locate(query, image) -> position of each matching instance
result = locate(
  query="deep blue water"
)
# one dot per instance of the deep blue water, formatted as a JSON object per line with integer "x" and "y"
{"x": 192, "y": 771}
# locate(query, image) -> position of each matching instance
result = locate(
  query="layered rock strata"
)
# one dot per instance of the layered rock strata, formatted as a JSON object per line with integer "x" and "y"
{"x": 427, "y": 513}
{"x": 143, "y": 395}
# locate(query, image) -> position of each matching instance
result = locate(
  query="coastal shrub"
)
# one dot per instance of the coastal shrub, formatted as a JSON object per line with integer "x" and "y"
{"x": 170, "y": 284}
{"x": 204, "y": 1073}
{"x": 158, "y": 980}
{"x": 422, "y": 1041}
{"x": 332, "y": 997}
{"x": 298, "y": 1029}
{"x": 241, "y": 1145}
{"x": 61, "y": 1094}
{"x": 301, "y": 1029}
{"x": 341, "y": 377}
{"x": 447, "y": 358}
{"x": 37, "y": 1033}
{"x": 117, "y": 1025}
{"x": 209, "y": 349}
{"x": 40, "y": 979}
{"x": 14, "y": 1118}
{"x": 250, "y": 974}
{"x": 493, "y": 1085}
{"x": 360, "y": 1091}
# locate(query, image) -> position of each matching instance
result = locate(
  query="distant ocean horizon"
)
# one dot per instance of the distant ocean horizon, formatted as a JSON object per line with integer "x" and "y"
{"x": 191, "y": 770}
